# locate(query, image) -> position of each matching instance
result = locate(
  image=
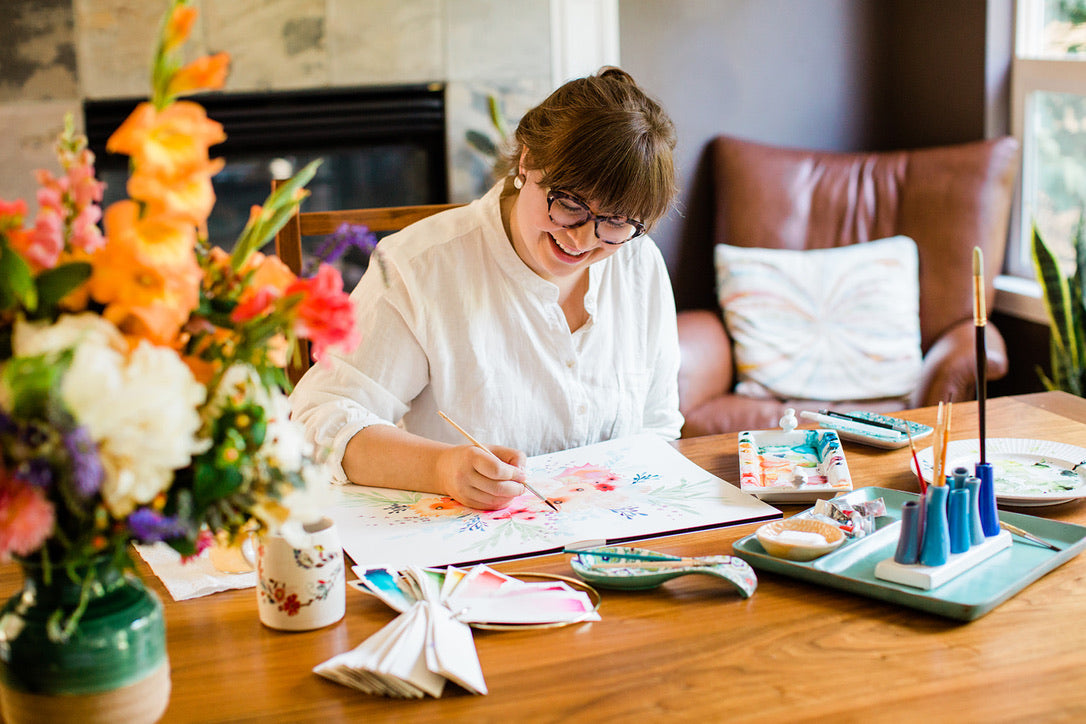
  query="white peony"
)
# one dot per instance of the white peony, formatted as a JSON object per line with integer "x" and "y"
{"x": 142, "y": 412}
{"x": 29, "y": 339}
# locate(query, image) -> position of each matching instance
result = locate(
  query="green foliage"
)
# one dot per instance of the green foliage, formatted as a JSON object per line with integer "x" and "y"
{"x": 34, "y": 385}
{"x": 274, "y": 215}
{"x": 1073, "y": 10}
{"x": 16, "y": 280}
{"x": 1065, "y": 304}
{"x": 37, "y": 297}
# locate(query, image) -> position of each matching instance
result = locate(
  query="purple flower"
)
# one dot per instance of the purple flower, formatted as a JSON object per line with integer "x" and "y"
{"x": 86, "y": 467}
{"x": 35, "y": 472}
{"x": 337, "y": 243}
{"x": 149, "y": 526}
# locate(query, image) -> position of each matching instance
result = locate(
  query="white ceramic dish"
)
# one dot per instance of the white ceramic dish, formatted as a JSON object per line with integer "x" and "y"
{"x": 1028, "y": 473}
{"x": 774, "y": 538}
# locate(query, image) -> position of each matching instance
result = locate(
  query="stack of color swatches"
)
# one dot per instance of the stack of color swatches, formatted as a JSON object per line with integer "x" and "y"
{"x": 431, "y": 642}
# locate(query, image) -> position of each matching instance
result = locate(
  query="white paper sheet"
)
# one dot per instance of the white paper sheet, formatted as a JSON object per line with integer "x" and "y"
{"x": 625, "y": 489}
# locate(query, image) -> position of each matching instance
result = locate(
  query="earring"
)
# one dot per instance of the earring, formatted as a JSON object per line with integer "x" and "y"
{"x": 518, "y": 182}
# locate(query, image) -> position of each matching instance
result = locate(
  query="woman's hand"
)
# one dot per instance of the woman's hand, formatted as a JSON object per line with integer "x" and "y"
{"x": 479, "y": 480}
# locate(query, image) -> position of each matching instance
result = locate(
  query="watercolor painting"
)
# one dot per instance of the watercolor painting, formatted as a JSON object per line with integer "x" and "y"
{"x": 626, "y": 489}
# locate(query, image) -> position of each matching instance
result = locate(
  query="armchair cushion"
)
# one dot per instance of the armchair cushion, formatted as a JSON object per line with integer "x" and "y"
{"x": 828, "y": 324}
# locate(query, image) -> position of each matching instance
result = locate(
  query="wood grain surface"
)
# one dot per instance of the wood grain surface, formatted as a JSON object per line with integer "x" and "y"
{"x": 691, "y": 649}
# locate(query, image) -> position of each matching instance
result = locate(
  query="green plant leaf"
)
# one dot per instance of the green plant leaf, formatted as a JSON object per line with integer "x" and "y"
{"x": 35, "y": 383}
{"x": 282, "y": 205}
{"x": 481, "y": 143}
{"x": 16, "y": 280}
{"x": 54, "y": 284}
{"x": 1058, "y": 304}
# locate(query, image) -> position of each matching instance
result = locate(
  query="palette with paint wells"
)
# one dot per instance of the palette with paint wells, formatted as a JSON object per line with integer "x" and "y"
{"x": 797, "y": 466}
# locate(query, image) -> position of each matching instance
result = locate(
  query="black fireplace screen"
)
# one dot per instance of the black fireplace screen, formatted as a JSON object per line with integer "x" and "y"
{"x": 382, "y": 146}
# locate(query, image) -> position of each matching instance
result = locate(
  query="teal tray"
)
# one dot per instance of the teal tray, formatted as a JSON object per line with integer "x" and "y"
{"x": 966, "y": 597}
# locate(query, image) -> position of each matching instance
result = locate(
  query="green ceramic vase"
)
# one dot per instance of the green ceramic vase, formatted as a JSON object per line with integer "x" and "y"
{"x": 112, "y": 667}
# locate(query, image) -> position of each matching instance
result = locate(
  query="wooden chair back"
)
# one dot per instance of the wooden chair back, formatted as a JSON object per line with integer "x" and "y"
{"x": 288, "y": 242}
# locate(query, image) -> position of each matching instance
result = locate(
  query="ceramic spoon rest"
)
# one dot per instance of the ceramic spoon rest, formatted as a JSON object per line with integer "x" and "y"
{"x": 639, "y": 569}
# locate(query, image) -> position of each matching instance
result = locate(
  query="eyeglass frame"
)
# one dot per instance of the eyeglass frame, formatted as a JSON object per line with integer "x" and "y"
{"x": 553, "y": 194}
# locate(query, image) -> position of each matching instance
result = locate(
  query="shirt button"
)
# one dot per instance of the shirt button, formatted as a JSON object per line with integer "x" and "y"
{"x": 582, "y": 409}
{"x": 571, "y": 363}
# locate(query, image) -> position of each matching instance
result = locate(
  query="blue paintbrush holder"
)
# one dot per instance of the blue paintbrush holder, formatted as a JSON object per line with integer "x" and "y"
{"x": 908, "y": 543}
{"x": 976, "y": 530}
{"x": 958, "y": 519}
{"x": 935, "y": 548}
{"x": 957, "y": 478}
{"x": 989, "y": 516}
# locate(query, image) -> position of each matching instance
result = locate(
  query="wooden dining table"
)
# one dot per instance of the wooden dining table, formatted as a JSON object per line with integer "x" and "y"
{"x": 691, "y": 649}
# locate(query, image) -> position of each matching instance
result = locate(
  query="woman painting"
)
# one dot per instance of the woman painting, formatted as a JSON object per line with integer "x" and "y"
{"x": 540, "y": 317}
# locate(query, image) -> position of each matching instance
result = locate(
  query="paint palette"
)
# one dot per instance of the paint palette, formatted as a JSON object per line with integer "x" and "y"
{"x": 799, "y": 466}
{"x": 626, "y": 568}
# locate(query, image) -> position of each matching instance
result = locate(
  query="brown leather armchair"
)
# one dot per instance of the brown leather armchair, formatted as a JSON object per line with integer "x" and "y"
{"x": 948, "y": 199}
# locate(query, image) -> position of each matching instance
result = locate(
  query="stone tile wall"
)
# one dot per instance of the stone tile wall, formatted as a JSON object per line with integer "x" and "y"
{"x": 55, "y": 53}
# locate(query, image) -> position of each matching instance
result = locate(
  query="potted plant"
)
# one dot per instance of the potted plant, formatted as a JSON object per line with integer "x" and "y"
{"x": 1065, "y": 304}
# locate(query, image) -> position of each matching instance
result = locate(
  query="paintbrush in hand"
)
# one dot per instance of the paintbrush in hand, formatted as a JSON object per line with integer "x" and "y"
{"x": 485, "y": 449}
{"x": 980, "y": 320}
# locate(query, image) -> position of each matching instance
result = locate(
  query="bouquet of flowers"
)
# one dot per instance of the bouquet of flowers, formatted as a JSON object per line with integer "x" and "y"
{"x": 141, "y": 369}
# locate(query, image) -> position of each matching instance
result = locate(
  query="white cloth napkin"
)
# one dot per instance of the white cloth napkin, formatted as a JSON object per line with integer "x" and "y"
{"x": 197, "y": 577}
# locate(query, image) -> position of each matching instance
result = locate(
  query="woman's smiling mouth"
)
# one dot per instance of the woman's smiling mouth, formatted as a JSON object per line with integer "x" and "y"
{"x": 567, "y": 252}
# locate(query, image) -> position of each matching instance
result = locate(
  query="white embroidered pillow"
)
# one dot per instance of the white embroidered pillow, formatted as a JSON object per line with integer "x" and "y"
{"x": 823, "y": 324}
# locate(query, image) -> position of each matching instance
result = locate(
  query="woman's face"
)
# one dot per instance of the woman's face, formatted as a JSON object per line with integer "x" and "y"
{"x": 553, "y": 252}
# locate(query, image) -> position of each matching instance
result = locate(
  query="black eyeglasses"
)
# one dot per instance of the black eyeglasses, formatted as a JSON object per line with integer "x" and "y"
{"x": 569, "y": 212}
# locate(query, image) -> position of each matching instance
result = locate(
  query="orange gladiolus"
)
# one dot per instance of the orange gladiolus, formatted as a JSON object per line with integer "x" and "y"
{"x": 178, "y": 27}
{"x": 206, "y": 73}
{"x": 167, "y": 142}
{"x": 147, "y": 275}
{"x": 189, "y": 197}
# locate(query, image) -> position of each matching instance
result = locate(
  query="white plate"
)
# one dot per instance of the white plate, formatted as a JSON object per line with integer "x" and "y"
{"x": 1027, "y": 472}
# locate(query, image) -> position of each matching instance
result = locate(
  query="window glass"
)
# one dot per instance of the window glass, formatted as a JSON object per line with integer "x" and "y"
{"x": 1054, "y": 191}
{"x": 1049, "y": 107}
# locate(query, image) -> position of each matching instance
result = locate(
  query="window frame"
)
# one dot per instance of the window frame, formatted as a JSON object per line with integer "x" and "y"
{"x": 1028, "y": 75}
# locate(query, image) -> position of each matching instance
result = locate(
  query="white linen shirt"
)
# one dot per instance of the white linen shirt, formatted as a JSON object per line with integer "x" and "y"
{"x": 451, "y": 319}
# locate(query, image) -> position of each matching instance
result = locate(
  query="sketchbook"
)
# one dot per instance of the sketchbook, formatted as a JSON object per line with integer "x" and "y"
{"x": 620, "y": 490}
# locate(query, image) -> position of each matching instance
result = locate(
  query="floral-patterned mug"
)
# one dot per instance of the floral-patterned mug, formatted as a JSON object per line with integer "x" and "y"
{"x": 300, "y": 589}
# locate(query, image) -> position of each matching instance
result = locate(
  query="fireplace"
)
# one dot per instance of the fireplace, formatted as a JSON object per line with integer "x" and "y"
{"x": 382, "y": 146}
